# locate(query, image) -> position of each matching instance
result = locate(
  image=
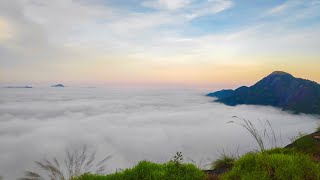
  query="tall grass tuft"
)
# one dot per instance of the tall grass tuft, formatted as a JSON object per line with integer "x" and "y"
{"x": 224, "y": 162}
{"x": 268, "y": 132}
{"x": 75, "y": 164}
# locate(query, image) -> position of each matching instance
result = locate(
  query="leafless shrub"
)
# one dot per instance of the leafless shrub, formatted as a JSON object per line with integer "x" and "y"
{"x": 75, "y": 164}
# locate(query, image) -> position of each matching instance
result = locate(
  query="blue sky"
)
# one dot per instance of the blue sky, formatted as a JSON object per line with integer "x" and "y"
{"x": 158, "y": 41}
{"x": 236, "y": 15}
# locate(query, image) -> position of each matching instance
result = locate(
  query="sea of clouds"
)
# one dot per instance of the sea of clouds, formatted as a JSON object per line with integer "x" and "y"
{"x": 131, "y": 124}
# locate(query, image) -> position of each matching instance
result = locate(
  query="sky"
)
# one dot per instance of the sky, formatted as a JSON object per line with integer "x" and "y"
{"x": 157, "y": 42}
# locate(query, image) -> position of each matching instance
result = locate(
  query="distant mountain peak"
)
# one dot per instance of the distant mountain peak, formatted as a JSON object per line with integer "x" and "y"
{"x": 58, "y": 85}
{"x": 280, "y": 73}
{"x": 279, "y": 89}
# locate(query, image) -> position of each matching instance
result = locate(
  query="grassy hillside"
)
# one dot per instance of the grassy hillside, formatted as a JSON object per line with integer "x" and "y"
{"x": 299, "y": 160}
{"x": 147, "y": 170}
{"x": 275, "y": 164}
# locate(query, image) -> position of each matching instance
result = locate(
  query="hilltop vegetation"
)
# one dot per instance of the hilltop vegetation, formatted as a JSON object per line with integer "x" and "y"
{"x": 274, "y": 164}
{"x": 278, "y": 163}
{"x": 299, "y": 160}
{"x": 145, "y": 170}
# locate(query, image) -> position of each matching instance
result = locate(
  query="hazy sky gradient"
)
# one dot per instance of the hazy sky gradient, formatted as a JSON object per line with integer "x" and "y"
{"x": 180, "y": 42}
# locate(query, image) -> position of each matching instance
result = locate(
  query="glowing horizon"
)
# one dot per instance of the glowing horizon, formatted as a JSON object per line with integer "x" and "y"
{"x": 158, "y": 42}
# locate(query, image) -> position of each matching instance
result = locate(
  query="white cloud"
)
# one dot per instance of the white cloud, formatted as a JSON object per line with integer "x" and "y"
{"x": 166, "y": 4}
{"x": 138, "y": 23}
{"x": 131, "y": 124}
{"x": 191, "y": 9}
{"x": 220, "y": 5}
{"x": 211, "y": 7}
{"x": 295, "y": 9}
{"x": 58, "y": 30}
{"x": 278, "y": 9}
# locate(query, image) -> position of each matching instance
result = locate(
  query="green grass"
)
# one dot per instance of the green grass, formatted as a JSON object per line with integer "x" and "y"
{"x": 274, "y": 164}
{"x": 281, "y": 151}
{"x": 148, "y": 170}
{"x": 224, "y": 162}
{"x": 306, "y": 144}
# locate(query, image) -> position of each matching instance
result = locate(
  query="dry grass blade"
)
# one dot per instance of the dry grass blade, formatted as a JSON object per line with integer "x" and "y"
{"x": 75, "y": 164}
{"x": 100, "y": 170}
{"x": 57, "y": 162}
{"x": 252, "y": 130}
{"x": 273, "y": 139}
{"x": 104, "y": 160}
{"x": 32, "y": 176}
{"x": 268, "y": 132}
{"x": 88, "y": 164}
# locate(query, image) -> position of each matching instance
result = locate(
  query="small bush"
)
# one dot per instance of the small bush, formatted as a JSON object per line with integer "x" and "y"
{"x": 274, "y": 165}
{"x": 224, "y": 162}
{"x": 147, "y": 170}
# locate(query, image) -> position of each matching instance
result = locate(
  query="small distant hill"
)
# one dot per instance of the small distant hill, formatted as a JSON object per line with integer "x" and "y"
{"x": 18, "y": 87}
{"x": 279, "y": 89}
{"x": 58, "y": 85}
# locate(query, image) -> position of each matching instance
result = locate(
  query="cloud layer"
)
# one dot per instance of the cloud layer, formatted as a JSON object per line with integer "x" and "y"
{"x": 131, "y": 124}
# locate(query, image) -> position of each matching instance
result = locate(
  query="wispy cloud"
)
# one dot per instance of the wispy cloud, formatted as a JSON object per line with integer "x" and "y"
{"x": 278, "y": 9}
{"x": 166, "y": 4}
{"x": 190, "y": 8}
{"x": 295, "y": 9}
